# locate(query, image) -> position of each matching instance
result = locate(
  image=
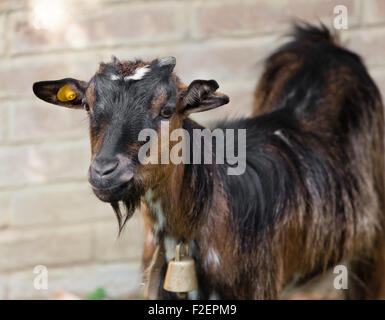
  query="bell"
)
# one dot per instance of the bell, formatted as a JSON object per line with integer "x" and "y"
{"x": 181, "y": 274}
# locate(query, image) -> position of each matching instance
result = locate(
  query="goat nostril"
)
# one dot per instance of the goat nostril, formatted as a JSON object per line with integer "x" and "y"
{"x": 109, "y": 168}
{"x": 106, "y": 168}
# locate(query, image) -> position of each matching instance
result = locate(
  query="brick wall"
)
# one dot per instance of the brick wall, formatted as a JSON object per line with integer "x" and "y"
{"x": 48, "y": 214}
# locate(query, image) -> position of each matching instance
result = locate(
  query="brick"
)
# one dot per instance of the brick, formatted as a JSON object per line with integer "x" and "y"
{"x": 373, "y": 11}
{"x": 37, "y": 119}
{"x": 2, "y": 34}
{"x": 120, "y": 280}
{"x": 112, "y": 25}
{"x": 223, "y": 61}
{"x": 368, "y": 43}
{"x": 234, "y": 18}
{"x": 20, "y": 249}
{"x": 58, "y": 205}
{"x": 43, "y": 163}
{"x": 3, "y": 287}
{"x": 5, "y": 209}
{"x": 18, "y": 74}
{"x": 3, "y": 121}
{"x": 9, "y": 5}
{"x": 107, "y": 245}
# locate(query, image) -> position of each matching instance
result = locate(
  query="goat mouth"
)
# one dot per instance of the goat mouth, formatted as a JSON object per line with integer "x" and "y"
{"x": 113, "y": 193}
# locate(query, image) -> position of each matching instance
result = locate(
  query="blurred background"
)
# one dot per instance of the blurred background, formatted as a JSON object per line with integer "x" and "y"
{"x": 48, "y": 214}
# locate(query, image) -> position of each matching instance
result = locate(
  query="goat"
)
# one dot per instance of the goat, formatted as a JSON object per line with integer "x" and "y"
{"x": 312, "y": 194}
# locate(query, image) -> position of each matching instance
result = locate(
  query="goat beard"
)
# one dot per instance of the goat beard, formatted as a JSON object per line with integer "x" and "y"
{"x": 128, "y": 204}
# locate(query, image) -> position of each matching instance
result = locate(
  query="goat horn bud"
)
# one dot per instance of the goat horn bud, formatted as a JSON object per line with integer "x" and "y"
{"x": 169, "y": 61}
{"x": 66, "y": 94}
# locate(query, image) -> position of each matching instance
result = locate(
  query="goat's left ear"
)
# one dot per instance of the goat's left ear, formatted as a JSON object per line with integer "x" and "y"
{"x": 67, "y": 92}
{"x": 201, "y": 95}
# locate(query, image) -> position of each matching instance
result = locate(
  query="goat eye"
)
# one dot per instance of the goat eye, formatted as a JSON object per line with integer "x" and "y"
{"x": 166, "y": 113}
{"x": 86, "y": 107}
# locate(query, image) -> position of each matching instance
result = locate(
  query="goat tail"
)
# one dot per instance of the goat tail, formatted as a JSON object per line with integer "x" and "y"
{"x": 305, "y": 32}
{"x": 281, "y": 66}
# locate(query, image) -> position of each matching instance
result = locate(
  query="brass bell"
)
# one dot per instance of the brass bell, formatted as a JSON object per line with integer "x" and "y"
{"x": 181, "y": 275}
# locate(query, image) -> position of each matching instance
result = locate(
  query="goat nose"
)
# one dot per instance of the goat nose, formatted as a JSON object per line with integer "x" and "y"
{"x": 104, "y": 167}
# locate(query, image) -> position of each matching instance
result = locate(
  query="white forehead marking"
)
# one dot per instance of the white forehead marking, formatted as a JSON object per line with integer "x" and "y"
{"x": 115, "y": 77}
{"x": 139, "y": 74}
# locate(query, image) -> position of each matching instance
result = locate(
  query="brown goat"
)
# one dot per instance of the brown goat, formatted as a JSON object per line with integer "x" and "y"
{"x": 311, "y": 195}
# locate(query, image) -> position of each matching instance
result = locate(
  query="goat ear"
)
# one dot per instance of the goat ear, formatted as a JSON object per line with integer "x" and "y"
{"x": 166, "y": 65}
{"x": 65, "y": 92}
{"x": 201, "y": 95}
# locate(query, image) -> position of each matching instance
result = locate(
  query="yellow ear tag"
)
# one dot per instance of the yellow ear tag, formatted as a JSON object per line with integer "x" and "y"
{"x": 65, "y": 93}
